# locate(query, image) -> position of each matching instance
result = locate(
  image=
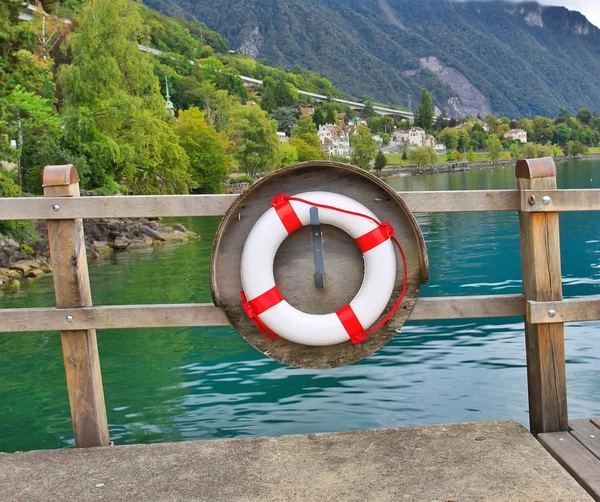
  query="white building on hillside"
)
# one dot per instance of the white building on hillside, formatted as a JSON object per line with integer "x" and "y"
{"x": 334, "y": 139}
{"x": 440, "y": 148}
{"x": 416, "y": 136}
{"x": 282, "y": 137}
{"x": 517, "y": 134}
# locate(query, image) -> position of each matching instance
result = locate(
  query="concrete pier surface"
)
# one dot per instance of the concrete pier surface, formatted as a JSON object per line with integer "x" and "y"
{"x": 488, "y": 461}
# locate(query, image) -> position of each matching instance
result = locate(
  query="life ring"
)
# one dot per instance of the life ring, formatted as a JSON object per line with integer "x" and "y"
{"x": 265, "y": 305}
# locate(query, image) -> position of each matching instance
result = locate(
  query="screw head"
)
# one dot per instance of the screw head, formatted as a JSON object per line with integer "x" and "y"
{"x": 56, "y": 208}
{"x": 531, "y": 200}
{"x": 546, "y": 199}
{"x": 69, "y": 318}
{"x": 551, "y": 313}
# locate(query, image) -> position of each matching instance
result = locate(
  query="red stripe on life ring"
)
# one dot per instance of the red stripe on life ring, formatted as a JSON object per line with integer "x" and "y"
{"x": 351, "y": 324}
{"x": 375, "y": 237}
{"x": 267, "y": 300}
{"x": 286, "y": 213}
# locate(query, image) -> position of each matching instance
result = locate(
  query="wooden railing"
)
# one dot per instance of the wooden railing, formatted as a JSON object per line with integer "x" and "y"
{"x": 536, "y": 200}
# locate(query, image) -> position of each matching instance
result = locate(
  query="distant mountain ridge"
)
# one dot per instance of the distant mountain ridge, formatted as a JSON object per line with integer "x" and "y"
{"x": 475, "y": 57}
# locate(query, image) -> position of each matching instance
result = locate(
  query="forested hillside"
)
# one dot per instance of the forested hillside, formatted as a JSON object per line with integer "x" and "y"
{"x": 75, "y": 88}
{"x": 475, "y": 57}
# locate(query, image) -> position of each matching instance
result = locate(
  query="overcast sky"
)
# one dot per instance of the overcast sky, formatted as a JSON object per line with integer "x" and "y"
{"x": 590, "y": 8}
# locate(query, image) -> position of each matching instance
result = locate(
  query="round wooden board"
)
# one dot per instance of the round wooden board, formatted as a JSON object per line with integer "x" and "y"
{"x": 294, "y": 263}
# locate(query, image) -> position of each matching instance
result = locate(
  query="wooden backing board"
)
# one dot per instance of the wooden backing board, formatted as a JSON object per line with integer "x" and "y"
{"x": 294, "y": 263}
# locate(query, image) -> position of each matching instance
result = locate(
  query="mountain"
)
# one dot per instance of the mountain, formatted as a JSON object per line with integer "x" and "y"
{"x": 474, "y": 57}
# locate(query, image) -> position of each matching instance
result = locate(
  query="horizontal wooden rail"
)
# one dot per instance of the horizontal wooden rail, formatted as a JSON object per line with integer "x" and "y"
{"x": 575, "y": 309}
{"x": 145, "y": 206}
{"x": 544, "y": 201}
{"x": 205, "y": 314}
{"x": 112, "y": 317}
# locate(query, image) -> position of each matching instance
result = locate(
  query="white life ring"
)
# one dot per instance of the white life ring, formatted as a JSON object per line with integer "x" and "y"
{"x": 266, "y": 303}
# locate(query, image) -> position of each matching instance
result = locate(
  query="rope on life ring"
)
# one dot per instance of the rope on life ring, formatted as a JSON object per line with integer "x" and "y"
{"x": 267, "y": 308}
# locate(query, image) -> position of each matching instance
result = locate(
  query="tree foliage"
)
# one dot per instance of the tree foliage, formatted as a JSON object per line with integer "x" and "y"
{"x": 421, "y": 156}
{"x": 494, "y": 148}
{"x": 380, "y": 161}
{"x": 364, "y": 148}
{"x": 206, "y": 149}
{"x": 255, "y": 138}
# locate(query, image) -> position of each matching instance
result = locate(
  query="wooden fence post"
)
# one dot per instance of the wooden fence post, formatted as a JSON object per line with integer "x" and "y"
{"x": 545, "y": 343}
{"x": 72, "y": 289}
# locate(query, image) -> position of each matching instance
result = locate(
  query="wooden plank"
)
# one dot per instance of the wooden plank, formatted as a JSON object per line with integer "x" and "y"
{"x": 468, "y": 307}
{"x": 596, "y": 421}
{"x": 80, "y": 350}
{"x": 561, "y": 200}
{"x": 135, "y": 206}
{"x": 540, "y": 263}
{"x": 575, "y": 309}
{"x": 575, "y": 458}
{"x": 112, "y": 317}
{"x": 587, "y": 434}
{"x": 138, "y": 206}
{"x": 450, "y": 201}
{"x": 205, "y": 314}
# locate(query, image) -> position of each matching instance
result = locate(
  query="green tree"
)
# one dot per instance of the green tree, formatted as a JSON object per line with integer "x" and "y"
{"x": 364, "y": 148}
{"x": 229, "y": 80}
{"x": 108, "y": 70}
{"x": 478, "y": 136}
{"x": 464, "y": 141}
{"x": 306, "y": 130}
{"x": 471, "y": 155}
{"x": 584, "y": 116}
{"x": 494, "y": 148}
{"x": 368, "y": 110}
{"x": 19, "y": 230}
{"x": 319, "y": 117}
{"x": 307, "y": 151}
{"x": 151, "y": 159}
{"x": 277, "y": 93}
{"x": 562, "y": 135}
{"x": 380, "y": 161}
{"x": 288, "y": 154}
{"x": 286, "y": 117}
{"x": 424, "y": 155}
{"x": 530, "y": 151}
{"x": 563, "y": 115}
{"x": 449, "y": 136}
{"x": 516, "y": 151}
{"x": 33, "y": 122}
{"x": 206, "y": 149}
{"x": 256, "y": 145}
{"x": 14, "y": 36}
{"x": 577, "y": 148}
{"x": 426, "y": 110}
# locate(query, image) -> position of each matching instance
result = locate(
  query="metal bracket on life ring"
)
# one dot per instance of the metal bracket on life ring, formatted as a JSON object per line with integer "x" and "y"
{"x": 285, "y": 262}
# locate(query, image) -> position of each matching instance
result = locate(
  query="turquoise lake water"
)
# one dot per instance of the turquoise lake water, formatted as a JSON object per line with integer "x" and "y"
{"x": 203, "y": 383}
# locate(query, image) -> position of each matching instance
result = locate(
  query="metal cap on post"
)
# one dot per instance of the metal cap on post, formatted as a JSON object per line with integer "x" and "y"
{"x": 72, "y": 289}
{"x": 540, "y": 263}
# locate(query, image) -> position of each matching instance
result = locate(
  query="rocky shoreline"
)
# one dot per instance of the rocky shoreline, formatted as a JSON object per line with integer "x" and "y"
{"x": 448, "y": 167}
{"x": 21, "y": 262}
